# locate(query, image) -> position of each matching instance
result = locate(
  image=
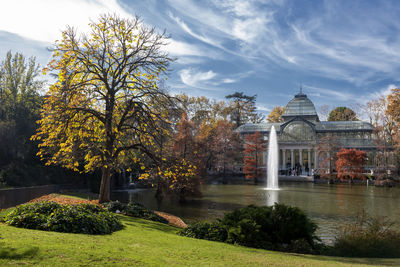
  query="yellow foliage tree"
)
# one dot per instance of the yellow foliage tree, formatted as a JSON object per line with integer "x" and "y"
{"x": 276, "y": 114}
{"x": 105, "y": 109}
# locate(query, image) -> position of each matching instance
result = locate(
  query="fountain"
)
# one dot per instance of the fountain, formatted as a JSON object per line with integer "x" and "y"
{"x": 272, "y": 164}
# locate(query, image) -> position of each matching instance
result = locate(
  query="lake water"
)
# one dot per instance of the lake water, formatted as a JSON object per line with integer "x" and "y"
{"x": 328, "y": 205}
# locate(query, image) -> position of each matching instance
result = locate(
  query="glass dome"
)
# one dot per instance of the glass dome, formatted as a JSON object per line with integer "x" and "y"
{"x": 300, "y": 105}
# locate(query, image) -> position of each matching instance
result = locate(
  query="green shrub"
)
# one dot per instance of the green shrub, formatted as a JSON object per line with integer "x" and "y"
{"x": 249, "y": 227}
{"x": 205, "y": 230}
{"x": 139, "y": 211}
{"x": 368, "y": 237}
{"x": 51, "y": 216}
{"x": 279, "y": 227}
{"x": 113, "y": 206}
{"x": 274, "y": 227}
{"x": 134, "y": 210}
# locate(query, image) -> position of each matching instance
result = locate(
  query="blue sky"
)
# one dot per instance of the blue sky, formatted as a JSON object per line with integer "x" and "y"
{"x": 340, "y": 52}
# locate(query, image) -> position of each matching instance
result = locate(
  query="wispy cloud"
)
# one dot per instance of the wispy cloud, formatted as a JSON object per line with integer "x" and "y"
{"x": 229, "y": 80}
{"x": 385, "y": 91}
{"x": 177, "y": 48}
{"x": 329, "y": 93}
{"x": 186, "y": 28}
{"x": 44, "y": 20}
{"x": 196, "y": 78}
{"x": 343, "y": 50}
{"x": 315, "y": 42}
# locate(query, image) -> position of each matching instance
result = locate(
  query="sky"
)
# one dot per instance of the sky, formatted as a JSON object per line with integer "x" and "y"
{"x": 340, "y": 52}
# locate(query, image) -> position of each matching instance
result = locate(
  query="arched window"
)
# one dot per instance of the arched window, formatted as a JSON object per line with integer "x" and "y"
{"x": 298, "y": 131}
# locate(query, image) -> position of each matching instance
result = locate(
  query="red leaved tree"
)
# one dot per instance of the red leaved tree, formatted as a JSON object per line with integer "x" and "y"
{"x": 178, "y": 173}
{"x": 254, "y": 147}
{"x": 350, "y": 163}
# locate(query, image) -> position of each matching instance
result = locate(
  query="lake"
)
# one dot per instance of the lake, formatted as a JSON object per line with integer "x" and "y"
{"x": 328, "y": 205}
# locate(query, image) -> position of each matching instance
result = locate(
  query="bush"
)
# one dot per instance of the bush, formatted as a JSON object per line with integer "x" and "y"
{"x": 51, "y": 216}
{"x": 205, "y": 230}
{"x": 134, "y": 210}
{"x": 279, "y": 227}
{"x": 367, "y": 237}
{"x": 273, "y": 227}
{"x": 113, "y": 206}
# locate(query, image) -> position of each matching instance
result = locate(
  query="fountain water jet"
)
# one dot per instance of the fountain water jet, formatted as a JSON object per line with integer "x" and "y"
{"x": 272, "y": 164}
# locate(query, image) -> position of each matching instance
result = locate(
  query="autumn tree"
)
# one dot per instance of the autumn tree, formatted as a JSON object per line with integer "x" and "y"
{"x": 178, "y": 171}
{"x": 106, "y": 106}
{"x": 244, "y": 109}
{"x": 350, "y": 163}
{"x": 255, "y": 146}
{"x": 276, "y": 114}
{"x": 183, "y": 140}
{"x": 201, "y": 109}
{"x": 382, "y": 115}
{"x": 323, "y": 112}
{"x": 219, "y": 146}
{"x": 342, "y": 114}
{"x": 392, "y": 116}
{"x": 327, "y": 148}
{"x": 226, "y": 146}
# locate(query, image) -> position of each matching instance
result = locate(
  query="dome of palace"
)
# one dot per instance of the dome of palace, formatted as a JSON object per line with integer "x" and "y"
{"x": 300, "y": 105}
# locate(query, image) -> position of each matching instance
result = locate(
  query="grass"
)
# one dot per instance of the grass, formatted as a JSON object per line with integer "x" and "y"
{"x": 147, "y": 243}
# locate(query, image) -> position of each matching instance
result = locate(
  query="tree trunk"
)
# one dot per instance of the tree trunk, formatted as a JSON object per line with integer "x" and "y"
{"x": 104, "y": 195}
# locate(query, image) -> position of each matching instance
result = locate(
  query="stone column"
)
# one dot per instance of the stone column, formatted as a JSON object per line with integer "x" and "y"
{"x": 283, "y": 158}
{"x": 308, "y": 158}
{"x": 292, "y": 157}
{"x": 329, "y": 162}
{"x": 301, "y": 157}
{"x": 315, "y": 159}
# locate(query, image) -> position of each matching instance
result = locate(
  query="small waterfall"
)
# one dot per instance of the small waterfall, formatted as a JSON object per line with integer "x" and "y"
{"x": 272, "y": 164}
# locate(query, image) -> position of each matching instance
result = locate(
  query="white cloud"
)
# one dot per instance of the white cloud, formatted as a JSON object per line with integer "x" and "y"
{"x": 329, "y": 93}
{"x": 186, "y": 28}
{"x": 177, "y": 48}
{"x": 228, "y": 80}
{"x": 195, "y": 78}
{"x": 43, "y": 20}
{"x": 375, "y": 95}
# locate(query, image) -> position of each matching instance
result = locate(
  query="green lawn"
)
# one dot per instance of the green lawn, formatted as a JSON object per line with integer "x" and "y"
{"x": 146, "y": 243}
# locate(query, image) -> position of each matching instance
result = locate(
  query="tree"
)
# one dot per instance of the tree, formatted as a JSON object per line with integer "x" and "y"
{"x": 226, "y": 146}
{"x": 327, "y": 148}
{"x": 255, "y": 146}
{"x": 392, "y": 118}
{"x": 183, "y": 140}
{"x": 219, "y": 146}
{"x": 178, "y": 172}
{"x": 244, "y": 109}
{"x": 276, "y": 114}
{"x": 19, "y": 107}
{"x": 342, "y": 114}
{"x": 382, "y": 114}
{"x": 350, "y": 163}
{"x": 394, "y": 104}
{"x": 106, "y": 107}
{"x": 323, "y": 112}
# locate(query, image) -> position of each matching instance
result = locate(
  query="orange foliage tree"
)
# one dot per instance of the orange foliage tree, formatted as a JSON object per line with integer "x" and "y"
{"x": 254, "y": 147}
{"x": 350, "y": 162}
{"x": 327, "y": 148}
{"x": 219, "y": 145}
{"x": 178, "y": 173}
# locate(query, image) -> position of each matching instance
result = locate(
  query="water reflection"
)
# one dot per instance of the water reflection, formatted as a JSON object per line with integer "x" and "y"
{"x": 272, "y": 197}
{"x": 328, "y": 205}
